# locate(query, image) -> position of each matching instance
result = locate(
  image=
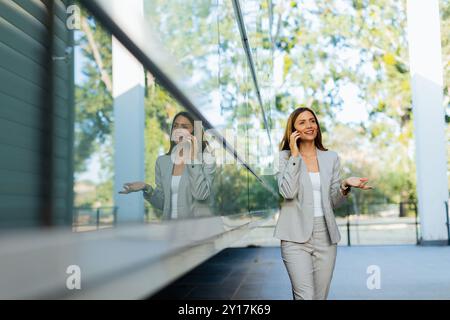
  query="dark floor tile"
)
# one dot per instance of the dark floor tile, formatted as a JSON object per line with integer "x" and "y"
{"x": 211, "y": 292}
{"x": 234, "y": 280}
{"x": 198, "y": 279}
{"x": 175, "y": 292}
{"x": 248, "y": 291}
{"x": 238, "y": 273}
{"x": 213, "y": 268}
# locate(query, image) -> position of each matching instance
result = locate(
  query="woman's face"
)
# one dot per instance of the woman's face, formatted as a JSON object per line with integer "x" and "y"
{"x": 182, "y": 128}
{"x": 307, "y": 126}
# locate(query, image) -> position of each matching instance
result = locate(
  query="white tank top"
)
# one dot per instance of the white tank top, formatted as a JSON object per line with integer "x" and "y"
{"x": 174, "y": 194}
{"x": 315, "y": 179}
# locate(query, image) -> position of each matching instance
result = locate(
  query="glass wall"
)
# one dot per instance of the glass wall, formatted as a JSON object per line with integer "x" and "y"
{"x": 114, "y": 144}
{"x": 94, "y": 205}
{"x": 207, "y": 47}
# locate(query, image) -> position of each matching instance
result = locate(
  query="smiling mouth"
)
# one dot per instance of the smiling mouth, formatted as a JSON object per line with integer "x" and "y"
{"x": 309, "y": 132}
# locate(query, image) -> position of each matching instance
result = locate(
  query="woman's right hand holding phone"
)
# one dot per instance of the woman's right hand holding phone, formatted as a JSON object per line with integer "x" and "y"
{"x": 295, "y": 152}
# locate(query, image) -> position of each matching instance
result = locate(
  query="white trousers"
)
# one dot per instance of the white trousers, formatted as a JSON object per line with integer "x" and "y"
{"x": 310, "y": 265}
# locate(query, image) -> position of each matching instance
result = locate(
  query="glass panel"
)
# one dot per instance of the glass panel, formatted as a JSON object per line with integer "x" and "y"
{"x": 124, "y": 134}
{"x": 209, "y": 47}
{"x": 168, "y": 171}
{"x": 193, "y": 39}
{"x": 94, "y": 122}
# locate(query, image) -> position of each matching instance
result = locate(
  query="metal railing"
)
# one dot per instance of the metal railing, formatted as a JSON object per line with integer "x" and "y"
{"x": 351, "y": 216}
{"x": 89, "y": 218}
{"x": 447, "y": 218}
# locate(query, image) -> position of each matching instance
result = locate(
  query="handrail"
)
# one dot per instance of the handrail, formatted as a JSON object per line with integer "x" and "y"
{"x": 133, "y": 252}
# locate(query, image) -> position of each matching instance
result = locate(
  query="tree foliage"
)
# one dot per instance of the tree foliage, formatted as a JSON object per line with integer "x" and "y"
{"x": 306, "y": 53}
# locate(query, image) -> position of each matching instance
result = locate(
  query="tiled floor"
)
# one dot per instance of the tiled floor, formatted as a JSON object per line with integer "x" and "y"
{"x": 238, "y": 273}
{"x": 406, "y": 272}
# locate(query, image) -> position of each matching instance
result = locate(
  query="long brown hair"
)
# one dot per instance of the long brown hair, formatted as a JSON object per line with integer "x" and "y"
{"x": 192, "y": 120}
{"x": 284, "y": 145}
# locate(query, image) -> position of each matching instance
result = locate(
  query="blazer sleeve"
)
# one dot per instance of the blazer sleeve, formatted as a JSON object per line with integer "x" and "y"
{"x": 337, "y": 198}
{"x": 288, "y": 175}
{"x": 201, "y": 177}
{"x": 156, "y": 198}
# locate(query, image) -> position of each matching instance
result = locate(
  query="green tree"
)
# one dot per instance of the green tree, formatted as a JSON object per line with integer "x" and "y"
{"x": 93, "y": 96}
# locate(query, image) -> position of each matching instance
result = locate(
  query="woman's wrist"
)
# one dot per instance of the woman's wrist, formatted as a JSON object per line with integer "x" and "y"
{"x": 295, "y": 154}
{"x": 345, "y": 187}
{"x": 147, "y": 188}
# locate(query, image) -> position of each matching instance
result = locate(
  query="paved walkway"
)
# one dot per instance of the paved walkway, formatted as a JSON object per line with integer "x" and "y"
{"x": 406, "y": 272}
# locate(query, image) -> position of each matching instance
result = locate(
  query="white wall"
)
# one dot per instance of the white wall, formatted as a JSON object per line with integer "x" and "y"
{"x": 129, "y": 119}
{"x": 428, "y": 107}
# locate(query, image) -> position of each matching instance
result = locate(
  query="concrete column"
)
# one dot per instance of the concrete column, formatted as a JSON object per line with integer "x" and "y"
{"x": 129, "y": 119}
{"x": 429, "y": 125}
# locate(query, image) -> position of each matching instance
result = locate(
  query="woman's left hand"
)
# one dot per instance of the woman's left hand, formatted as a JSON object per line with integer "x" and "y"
{"x": 360, "y": 183}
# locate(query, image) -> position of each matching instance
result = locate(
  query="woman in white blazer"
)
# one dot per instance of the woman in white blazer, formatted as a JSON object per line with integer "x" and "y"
{"x": 183, "y": 181}
{"x": 310, "y": 182}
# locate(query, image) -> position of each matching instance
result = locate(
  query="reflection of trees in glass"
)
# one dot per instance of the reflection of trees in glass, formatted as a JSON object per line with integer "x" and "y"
{"x": 94, "y": 107}
{"x": 230, "y": 191}
{"x": 259, "y": 197}
{"x": 236, "y": 191}
{"x": 259, "y": 25}
{"x": 207, "y": 43}
{"x": 203, "y": 35}
{"x": 234, "y": 81}
{"x": 188, "y": 29}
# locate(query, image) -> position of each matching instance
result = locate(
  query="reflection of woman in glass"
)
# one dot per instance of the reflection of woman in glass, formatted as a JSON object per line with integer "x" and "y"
{"x": 310, "y": 182}
{"x": 183, "y": 176}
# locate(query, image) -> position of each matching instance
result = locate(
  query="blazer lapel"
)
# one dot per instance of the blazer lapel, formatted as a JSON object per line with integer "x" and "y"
{"x": 168, "y": 175}
{"x": 183, "y": 181}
